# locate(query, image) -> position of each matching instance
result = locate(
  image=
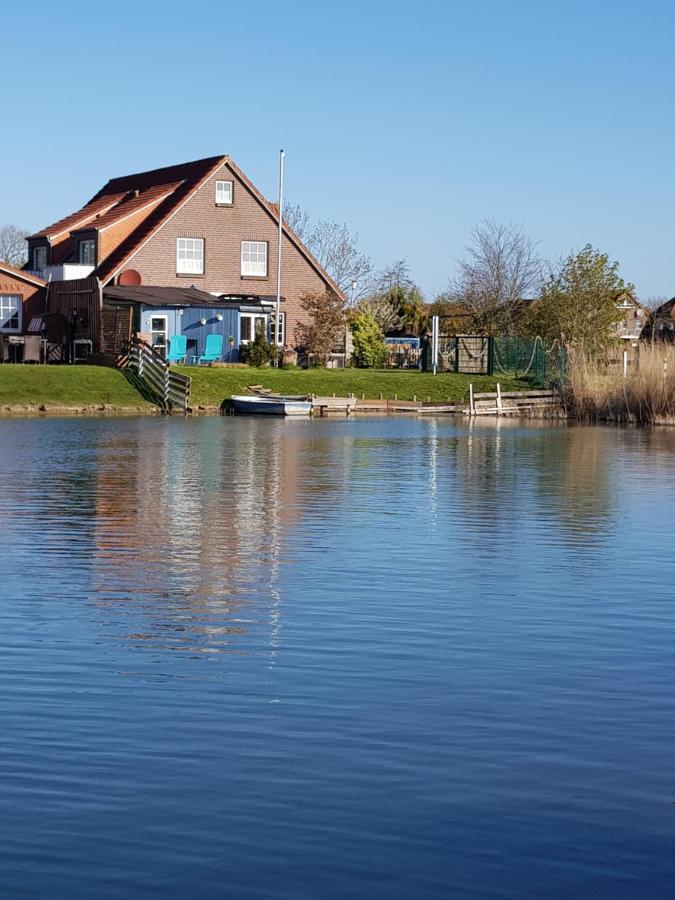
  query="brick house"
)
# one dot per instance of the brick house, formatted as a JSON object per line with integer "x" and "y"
{"x": 22, "y": 297}
{"x": 200, "y": 225}
{"x": 634, "y": 317}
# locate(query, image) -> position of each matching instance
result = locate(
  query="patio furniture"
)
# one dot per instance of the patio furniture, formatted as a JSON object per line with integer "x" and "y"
{"x": 32, "y": 345}
{"x": 177, "y": 349}
{"x": 213, "y": 350}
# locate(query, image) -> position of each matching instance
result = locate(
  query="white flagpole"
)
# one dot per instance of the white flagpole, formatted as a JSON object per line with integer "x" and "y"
{"x": 277, "y": 313}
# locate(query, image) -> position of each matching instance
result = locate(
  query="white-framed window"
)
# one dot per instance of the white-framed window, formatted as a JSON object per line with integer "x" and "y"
{"x": 249, "y": 325}
{"x": 190, "y": 256}
{"x": 224, "y": 192}
{"x": 254, "y": 258}
{"x": 10, "y": 312}
{"x": 281, "y": 330}
{"x": 88, "y": 253}
{"x": 39, "y": 258}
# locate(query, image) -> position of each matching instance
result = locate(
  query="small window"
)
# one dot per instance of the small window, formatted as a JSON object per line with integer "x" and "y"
{"x": 281, "y": 330}
{"x": 254, "y": 258}
{"x": 190, "y": 256}
{"x": 39, "y": 258}
{"x": 224, "y": 193}
{"x": 10, "y": 312}
{"x": 87, "y": 253}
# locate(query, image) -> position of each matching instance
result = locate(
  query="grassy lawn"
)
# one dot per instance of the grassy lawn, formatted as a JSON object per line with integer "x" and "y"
{"x": 65, "y": 386}
{"x": 210, "y": 386}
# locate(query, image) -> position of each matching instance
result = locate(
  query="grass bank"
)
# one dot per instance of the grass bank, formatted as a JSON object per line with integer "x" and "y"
{"x": 67, "y": 388}
{"x": 210, "y": 386}
{"x": 646, "y": 396}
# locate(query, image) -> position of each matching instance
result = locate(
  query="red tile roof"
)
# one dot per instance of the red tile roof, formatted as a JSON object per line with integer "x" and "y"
{"x": 20, "y": 273}
{"x": 163, "y": 191}
{"x": 97, "y": 206}
{"x": 191, "y": 175}
{"x": 131, "y": 204}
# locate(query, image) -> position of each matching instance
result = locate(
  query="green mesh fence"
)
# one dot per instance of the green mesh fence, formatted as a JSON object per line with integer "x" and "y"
{"x": 530, "y": 358}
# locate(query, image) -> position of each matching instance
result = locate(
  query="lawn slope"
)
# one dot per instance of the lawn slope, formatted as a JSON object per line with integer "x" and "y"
{"x": 67, "y": 387}
{"x": 210, "y": 386}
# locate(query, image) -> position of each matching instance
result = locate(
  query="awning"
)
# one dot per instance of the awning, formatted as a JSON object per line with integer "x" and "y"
{"x": 37, "y": 323}
{"x": 180, "y": 297}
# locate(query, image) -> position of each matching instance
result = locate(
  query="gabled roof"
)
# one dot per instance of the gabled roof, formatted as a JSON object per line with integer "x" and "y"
{"x": 273, "y": 210}
{"x": 19, "y": 273}
{"x": 163, "y": 191}
{"x": 96, "y": 206}
{"x": 186, "y": 177}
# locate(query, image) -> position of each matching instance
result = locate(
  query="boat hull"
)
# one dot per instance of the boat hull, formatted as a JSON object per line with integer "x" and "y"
{"x": 271, "y": 406}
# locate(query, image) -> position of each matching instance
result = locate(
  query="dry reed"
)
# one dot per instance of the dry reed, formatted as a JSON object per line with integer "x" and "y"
{"x": 645, "y": 396}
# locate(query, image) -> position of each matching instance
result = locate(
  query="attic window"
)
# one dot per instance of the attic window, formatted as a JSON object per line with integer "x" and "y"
{"x": 39, "y": 258}
{"x": 224, "y": 193}
{"x": 87, "y": 253}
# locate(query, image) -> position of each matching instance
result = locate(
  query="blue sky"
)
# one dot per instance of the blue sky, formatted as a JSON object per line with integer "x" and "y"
{"x": 408, "y": 121}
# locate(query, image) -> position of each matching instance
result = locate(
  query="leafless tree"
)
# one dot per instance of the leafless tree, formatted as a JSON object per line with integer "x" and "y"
{"x": 335, "y": 248}
{"x": 297, "y": 219}
{"x": 394, "y": 277}
{"x": 500, "y": 270}
{"x": 13, "y": 247}
{"x": 655, "y": 301}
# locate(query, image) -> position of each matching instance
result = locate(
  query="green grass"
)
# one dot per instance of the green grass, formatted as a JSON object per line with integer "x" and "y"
{"x": 66, "y": 386}
{"x": 210, "y": 386}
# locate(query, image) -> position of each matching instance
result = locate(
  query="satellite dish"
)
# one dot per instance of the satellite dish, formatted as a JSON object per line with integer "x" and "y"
{"x": 129, "y": 277}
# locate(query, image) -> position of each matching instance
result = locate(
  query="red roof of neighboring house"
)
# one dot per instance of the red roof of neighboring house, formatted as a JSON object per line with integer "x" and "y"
{"x": 19, "y": 273}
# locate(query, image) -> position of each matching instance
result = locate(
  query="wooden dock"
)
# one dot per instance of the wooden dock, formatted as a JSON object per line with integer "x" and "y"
{"x": 327, "y": 406}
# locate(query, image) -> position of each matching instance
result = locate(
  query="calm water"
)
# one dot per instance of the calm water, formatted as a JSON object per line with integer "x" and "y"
{"x": 382, "y": 659}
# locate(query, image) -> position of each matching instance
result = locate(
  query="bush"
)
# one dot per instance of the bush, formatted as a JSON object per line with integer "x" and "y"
{"x": 370, "y": 349}
{"x": 259, "y": 352}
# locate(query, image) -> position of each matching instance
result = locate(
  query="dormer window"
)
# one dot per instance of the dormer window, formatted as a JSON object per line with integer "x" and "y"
{"x": 224, "y": 193}
{"x": 88, "y": 253}
{"x": 39, "y": 258}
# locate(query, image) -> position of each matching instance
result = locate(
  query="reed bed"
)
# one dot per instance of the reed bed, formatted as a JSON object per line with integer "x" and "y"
{"x": 645, "y": 396}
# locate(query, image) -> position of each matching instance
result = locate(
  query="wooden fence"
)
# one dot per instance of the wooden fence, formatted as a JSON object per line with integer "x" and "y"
{"x": 170, "y": 389}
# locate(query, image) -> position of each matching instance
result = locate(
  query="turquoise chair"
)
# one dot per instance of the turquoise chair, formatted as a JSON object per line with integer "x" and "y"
{"x": 213, "y": 351}
{"x": 177, "y": 349}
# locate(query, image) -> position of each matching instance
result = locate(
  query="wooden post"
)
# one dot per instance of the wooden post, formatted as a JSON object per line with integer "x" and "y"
{"x": 625, "y": 363}
{"x": 499, "y": 398}
{"x": 471, "y": 405}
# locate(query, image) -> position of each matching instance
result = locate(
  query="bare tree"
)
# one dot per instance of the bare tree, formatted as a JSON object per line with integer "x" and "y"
{"x": 335, "y": 248}
{"x": 394, "y": 277}
{"x": 13, "y": 247}
{"x": 501, "y": 270}
{"x": 655, "y": 301}
{"x": 297, "y": 219}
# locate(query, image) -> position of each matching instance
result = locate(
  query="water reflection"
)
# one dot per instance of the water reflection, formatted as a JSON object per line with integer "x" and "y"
{"x": 184, "y": 530}
{"x": 198, "y": 513}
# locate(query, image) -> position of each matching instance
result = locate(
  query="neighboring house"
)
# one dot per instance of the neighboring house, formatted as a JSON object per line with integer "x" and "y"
{"x": 201, "y": 224}
{"x": 634, "y": 317}
{"x": 22, "y": 297}
{"x": 661, "y": 324}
